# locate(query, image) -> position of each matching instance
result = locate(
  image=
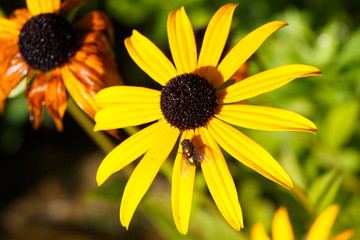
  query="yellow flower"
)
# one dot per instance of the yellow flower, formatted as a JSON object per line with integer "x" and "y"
{"x": 40, "y": 44}
{"x": 320, "y": 229}
{"x": 192, "y": 106}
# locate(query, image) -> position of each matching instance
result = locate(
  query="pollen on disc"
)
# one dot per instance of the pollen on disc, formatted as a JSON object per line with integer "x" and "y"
{"x": 47, "y": 41}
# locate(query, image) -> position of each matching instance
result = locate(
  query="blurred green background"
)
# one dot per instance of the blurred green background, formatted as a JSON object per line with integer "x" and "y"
{"x": 48, "y": 178}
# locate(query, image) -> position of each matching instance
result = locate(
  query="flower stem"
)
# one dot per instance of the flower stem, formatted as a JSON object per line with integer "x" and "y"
{"x": 100, "y": 138}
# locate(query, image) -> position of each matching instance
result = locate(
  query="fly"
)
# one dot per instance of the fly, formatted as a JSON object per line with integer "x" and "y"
{"x": 191, "y": 155}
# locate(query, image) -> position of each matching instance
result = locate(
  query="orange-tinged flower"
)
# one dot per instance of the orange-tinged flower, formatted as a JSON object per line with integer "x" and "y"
{"x": 40, "y": 44}
{"x": 320, "y": 230}
{"x": 194, "y": 105}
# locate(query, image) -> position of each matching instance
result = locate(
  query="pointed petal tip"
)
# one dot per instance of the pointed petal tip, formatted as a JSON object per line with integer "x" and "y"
{"x": 318, "y": 72}
{"x": 96, "y": 127}
{"x": 281, "y": 23}
{"x": 310, "y": 71}
{"x": 313, "y": 130}
{"x": 231, "y": 5}
{"x": 125, "y": 225}
{"x": 284, "y": 23}
{"x": 286, "y": 182}
{"x": 133, "y": 32}
{"x": 182, "y": 231}
{"x": 238, "y": 225}
{"x": 289, "y": 185}
{"x": 99, "y": 183}
{"x": 99, "y": 179}
{"x": 315, "y": 72}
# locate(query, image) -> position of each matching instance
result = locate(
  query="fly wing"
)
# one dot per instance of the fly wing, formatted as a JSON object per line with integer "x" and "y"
{"x": 184, "y": 168}
{"x": 200, "y": 156}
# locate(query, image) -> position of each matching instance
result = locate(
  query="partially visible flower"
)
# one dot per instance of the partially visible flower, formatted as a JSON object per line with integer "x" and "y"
{"x": 196, "y": 103}
{"x": 320, "y": 230}
{"x": 40, "y": 44}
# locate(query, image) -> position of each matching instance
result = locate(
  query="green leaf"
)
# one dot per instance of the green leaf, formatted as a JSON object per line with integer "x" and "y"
{"x": 290, "y": 162}
{"x": 340, "y": 124}
{"x": 324, "y": 190}
{"x": 347, "y": 54}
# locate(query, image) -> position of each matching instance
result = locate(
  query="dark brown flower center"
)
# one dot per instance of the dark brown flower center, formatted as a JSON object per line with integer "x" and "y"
{"x": 188, "y": 101}
{"x": 47, "y": 41}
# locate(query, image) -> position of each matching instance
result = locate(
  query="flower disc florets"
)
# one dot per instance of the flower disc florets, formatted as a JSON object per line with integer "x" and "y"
{"x": 188, "y": 101}
{"x": 47, "y": 41}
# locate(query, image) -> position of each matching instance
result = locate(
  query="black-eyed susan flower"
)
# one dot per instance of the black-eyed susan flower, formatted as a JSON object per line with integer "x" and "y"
{"x": 192, "y": 105}
{"x": 320, "y": 230}
{"x": 40, "y": 44}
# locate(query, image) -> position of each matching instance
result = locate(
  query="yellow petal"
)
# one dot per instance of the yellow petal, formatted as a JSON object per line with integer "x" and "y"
{"x": 281, "y": 225}
{"x": 127, "y": 94}
{"x": 214, "y": 41}
{"x": 37, "y": 7}
{"x": 126, "y": 115}
{"x": 248, "y": 152}
{"x": 220, "y": 182}
{"x": 246, "y": 47}
{"x": 265, "y": 81}
{"x": 321, "y": 228}
{"x": 182, "y": 190}
{"x": 150, "y": 58}
{"x": 129, "y": 150}
{"x": 9, "y": 29}
{"x": 258, "y": 232}
{"x": 264, "y": 118}
{"x": 84, "y": 97}
{"x": 145, "y": 172}
{"x": 346, "y": 235}
{"x": 182, "y": 41}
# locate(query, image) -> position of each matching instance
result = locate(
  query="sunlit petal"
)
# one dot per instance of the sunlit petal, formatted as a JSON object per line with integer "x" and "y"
{"x": 258, "y": 232}
{"x": 214, "y": 41}
{"x": 182, "y": 41}
{"x": 246, "y": 47}
{"x": 248, "y": 152}
{"x": 182, "y": 190}
{"x": 150, "y": 58}
{"x": 281, "y": 225}
{"x": 145, "y": 172}
{"x": 321, "y": 228}
{"x": 127, "y": 94}
{"x": 125, "y": 115}
{"x": 220, "y": 182}
{"x": 129, "y": 150}
{"x": 265, "y": 81}
{"x": 37, "y": 7}
{"x": 264, "y": 118}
